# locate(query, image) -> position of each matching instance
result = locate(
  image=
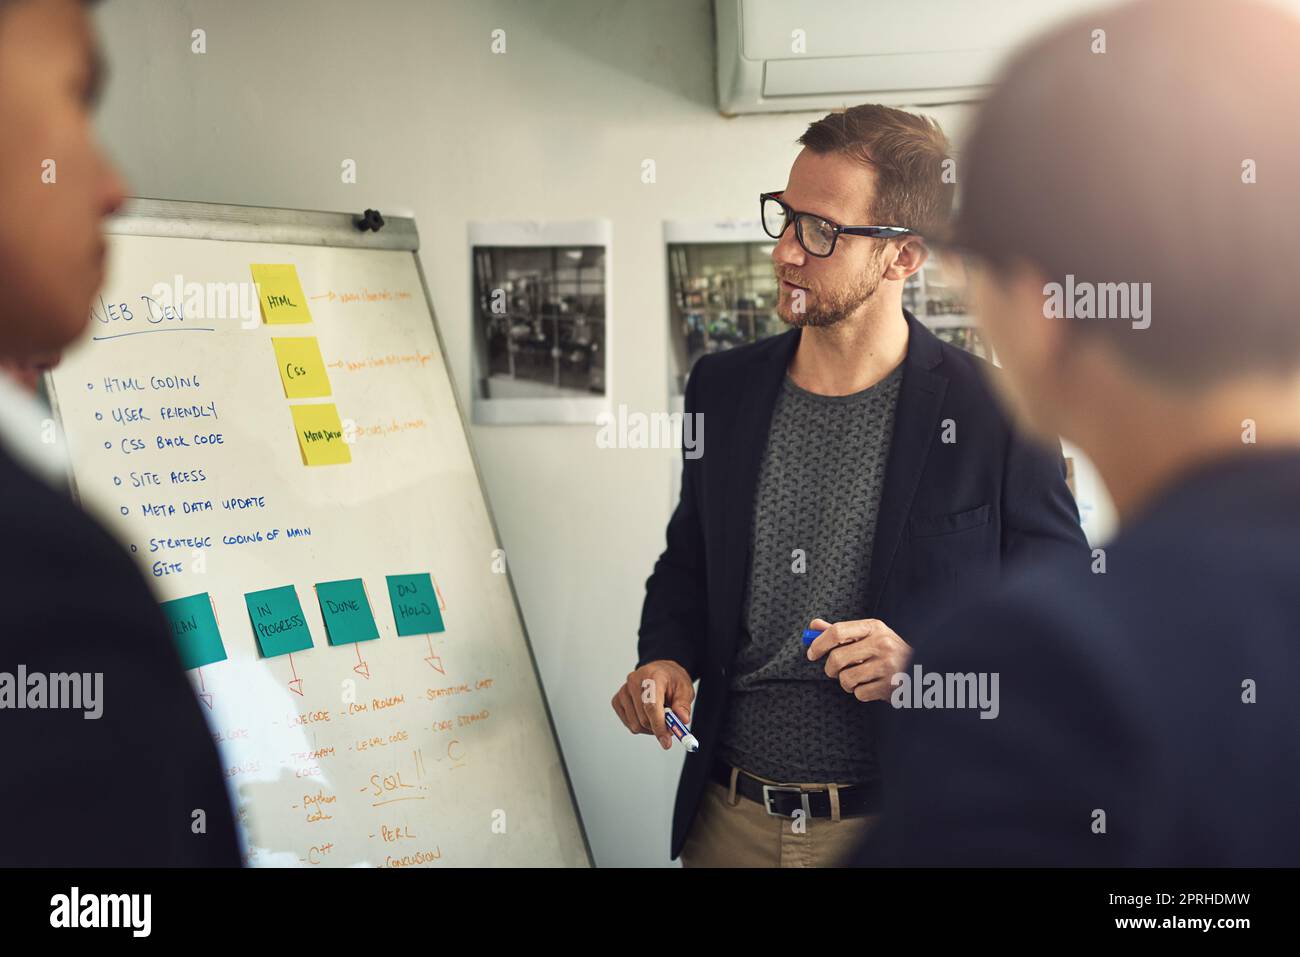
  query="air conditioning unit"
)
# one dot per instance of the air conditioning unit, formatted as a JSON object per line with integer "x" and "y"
{"x": 782, "y": 55}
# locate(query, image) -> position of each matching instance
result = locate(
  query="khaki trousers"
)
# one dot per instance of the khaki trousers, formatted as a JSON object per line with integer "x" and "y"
{"x": 733, "y": 831}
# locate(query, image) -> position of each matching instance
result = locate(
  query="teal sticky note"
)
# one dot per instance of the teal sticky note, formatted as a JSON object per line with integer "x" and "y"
{"x": 193, "y": 627}
{"x": 346, "y": 611}
{"x": 415, "y": 604}
{"x": 278, "y": 621}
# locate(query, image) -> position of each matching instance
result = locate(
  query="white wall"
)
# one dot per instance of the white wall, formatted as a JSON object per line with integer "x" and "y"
{"x": 557, "y": 128}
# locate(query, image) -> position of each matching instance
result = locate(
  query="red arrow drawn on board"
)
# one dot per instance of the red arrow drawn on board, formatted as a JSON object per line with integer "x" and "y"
{"x": 433, "y": 657}
{"x": 361, "y": 667}
{"x": 204, "y": 695}
{"x": 296, "y": 684}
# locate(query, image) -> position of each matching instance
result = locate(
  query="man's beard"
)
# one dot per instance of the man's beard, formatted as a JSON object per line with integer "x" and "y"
{"x": 823, "y": 307}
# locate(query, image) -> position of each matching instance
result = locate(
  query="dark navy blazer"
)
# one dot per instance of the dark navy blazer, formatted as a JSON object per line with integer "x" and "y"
{"x": 122, "y": 789}
{"x": 1148, "y": 714}
{"x": 952, "y": 514}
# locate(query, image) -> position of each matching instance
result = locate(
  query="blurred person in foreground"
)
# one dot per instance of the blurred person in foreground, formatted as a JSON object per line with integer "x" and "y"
{"x": 1130, "y": 197}
{"x": 107, "y": 759}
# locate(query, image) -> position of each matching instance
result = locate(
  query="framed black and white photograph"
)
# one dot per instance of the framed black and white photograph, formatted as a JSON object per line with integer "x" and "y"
{"x": 541, "y": 333}
{"x": 722, "y": 291}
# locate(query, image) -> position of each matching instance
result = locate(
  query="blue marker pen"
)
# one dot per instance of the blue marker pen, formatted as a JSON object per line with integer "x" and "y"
{"x": 680, "y": 733}
{"x": 810, "y": 635}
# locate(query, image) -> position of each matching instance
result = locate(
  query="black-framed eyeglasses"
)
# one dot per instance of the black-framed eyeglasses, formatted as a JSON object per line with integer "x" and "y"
{"x": 816, "y": 235}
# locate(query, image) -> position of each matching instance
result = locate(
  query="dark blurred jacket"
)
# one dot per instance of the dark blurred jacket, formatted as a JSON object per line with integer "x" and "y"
{"x": 123, "y": 789}
{"x": 1124, "y": 698}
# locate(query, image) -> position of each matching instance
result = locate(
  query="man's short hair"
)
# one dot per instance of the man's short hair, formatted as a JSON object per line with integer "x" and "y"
{"x": 1173, "y": 157}
{"x": 907, "y": 154}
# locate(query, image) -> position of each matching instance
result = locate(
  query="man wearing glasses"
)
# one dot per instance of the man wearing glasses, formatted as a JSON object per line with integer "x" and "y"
{"x": 858, "y": 471}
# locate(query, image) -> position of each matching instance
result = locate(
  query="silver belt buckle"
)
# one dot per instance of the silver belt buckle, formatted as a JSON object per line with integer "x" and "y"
{"x": 767, "y": 798}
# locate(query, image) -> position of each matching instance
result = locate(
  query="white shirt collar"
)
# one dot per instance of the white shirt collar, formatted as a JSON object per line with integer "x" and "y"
{"x": 30, "y": 433}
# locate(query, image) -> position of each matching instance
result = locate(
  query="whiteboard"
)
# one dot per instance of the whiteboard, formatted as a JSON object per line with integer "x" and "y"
{"x": 432, "y": 749}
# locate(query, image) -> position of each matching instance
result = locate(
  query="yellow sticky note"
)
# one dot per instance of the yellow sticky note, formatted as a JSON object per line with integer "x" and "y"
{"x": 302, "y": 370}
{"x": 280, "y": 293}
{"x": 320, "y": 434}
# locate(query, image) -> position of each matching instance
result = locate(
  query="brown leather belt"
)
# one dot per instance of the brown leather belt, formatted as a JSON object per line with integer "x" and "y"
{"x": 782, "y": 800}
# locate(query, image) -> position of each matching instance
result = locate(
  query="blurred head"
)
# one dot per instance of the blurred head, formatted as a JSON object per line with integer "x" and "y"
{"x": 56, "y": 186}
{"x": 26, "y": 373}
{"x": 865, "y": 166}
{"x": 1131, "y": 202}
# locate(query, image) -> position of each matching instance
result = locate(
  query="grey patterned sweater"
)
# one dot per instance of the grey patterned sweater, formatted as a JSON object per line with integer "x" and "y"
{"x": 818, "y": 494}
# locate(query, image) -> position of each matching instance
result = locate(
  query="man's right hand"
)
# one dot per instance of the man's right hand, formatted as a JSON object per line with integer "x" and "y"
{"x": 640, "y": 701}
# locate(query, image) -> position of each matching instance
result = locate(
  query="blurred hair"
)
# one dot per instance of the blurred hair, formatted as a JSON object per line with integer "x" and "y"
{"x": 1128, "y": 166}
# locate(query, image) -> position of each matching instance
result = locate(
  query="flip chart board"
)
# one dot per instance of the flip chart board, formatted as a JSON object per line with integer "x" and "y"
{"x": 263, "y": 413}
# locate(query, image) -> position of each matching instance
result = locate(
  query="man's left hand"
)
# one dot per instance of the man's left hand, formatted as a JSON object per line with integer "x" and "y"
{"x": 863, "y": 655}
